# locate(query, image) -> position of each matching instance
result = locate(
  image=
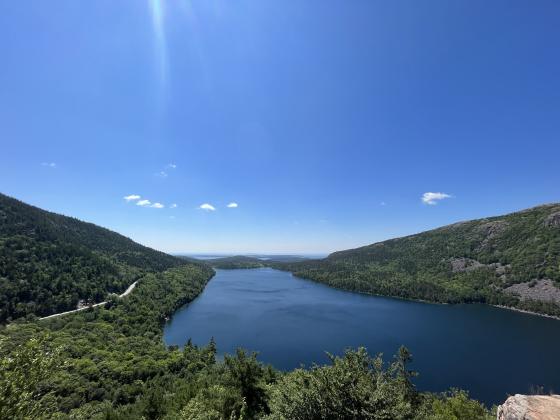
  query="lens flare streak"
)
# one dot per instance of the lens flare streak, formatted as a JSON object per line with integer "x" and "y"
{"x": 156, "y": 8}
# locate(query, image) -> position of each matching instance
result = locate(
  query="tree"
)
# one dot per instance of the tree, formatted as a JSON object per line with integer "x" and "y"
{"x": 354, "y": 386}
{"x": 458, "y": 406}
{"x": 21, "y": 373}
{"x": 246, "y": 374}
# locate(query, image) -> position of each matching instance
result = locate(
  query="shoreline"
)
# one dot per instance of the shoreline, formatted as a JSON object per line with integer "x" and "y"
{"x": 511, "y": 308}
{"x": 525, "y": 311}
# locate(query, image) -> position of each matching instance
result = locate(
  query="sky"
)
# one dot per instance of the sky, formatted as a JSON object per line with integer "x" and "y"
{"x": 295, "y": 126}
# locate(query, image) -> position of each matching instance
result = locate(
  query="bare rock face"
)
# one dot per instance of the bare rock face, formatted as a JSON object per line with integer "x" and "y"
{"x": 460, "y": 265}
{"x": 544, "y": 290}
{"x": 553, "y": 220}
{"x": 490, "y": 231}
{"x": 530, "y": 407}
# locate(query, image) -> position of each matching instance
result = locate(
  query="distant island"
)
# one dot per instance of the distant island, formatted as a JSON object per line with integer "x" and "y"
{"x": 249, "y": 261}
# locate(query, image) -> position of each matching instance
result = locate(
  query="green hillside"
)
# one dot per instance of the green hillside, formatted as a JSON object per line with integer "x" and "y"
{"x": 247, "y": 261}
{"x": 238, "y": 261}
{"x": 49, "y": 262}
{"x": 511, "y": 260}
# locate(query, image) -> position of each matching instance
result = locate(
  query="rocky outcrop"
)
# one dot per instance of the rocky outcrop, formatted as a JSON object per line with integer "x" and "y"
{"x": 544, "y": 290}
{"x": 461, "y": 265}
{"x": 490, "y": 231}
{"x": 553, "y": 220}
{"x": 530, "y": 407}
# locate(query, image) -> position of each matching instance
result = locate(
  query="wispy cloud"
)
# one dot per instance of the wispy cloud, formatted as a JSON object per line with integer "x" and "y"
{"x": 173, "y": 206}
{"x": 143, "y": 203}
{"x": 164, "y": 173}
{"x": 233, "y": 205}
{"x": 49, "y": 164}
{"x": 207, "y": 207}
{"x": 432, "y": 198}
{"x": 383, "y": 203}
{"x": 132, "y": 197}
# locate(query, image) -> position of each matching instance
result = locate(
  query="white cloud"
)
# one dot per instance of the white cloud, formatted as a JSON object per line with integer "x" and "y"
{"x": 49, "y": 164}
{"x": 161, "y": 174}
{"x": 432, "y": 198}
{"x": 383, "y": 203}
{"x": 173, "y": 206}
{"x": 143, "y": 203}
{"x": 132, "y": 197}
{"x": 171, "y": 166}
{"x": 233, "y": 205}
{"x": 157, "y": 206}
{"x": 207, "y": 207}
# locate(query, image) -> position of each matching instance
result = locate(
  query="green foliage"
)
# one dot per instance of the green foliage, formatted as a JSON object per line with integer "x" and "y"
{"x": 49, "y": 262}
{"x": 355, "y": 386}
{"x": 213, "y": 403}
{"x": 247, "y": 375}
{"x": 116, "y": 354}
{"x": 496, "y": 252}
{"x": 21, "y": 374}
{"x": 458, "y": 406}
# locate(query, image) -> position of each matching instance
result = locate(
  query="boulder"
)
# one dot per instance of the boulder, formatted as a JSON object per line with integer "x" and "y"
{"x": 530, "y": 407}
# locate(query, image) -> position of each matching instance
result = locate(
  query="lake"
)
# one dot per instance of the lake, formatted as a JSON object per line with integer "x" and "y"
{"x": 489, "y": 351}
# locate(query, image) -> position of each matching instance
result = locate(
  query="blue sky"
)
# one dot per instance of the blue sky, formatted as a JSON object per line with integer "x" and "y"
{"x": 325, "y": 121}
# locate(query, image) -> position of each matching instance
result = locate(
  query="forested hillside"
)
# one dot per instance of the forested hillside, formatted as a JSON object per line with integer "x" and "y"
{"x": 246, "y": 261}
{"x": 238, "y": 261}
{"x": 49, "y": 262}
{"x": 511, "y": 260}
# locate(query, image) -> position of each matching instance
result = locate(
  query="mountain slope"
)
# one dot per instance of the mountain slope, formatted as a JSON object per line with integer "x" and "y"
{"x": 49, "y": 262}
{"x": 512, "y": 260}
{"x": 250, "y": 261}
{"x": 237, "y": 261}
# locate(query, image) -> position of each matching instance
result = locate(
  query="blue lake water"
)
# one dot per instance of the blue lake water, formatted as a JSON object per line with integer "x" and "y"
{"x": 489, "y": 351}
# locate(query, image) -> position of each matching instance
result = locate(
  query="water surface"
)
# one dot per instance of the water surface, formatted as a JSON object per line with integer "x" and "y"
{"x": 489, "y": 351}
